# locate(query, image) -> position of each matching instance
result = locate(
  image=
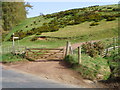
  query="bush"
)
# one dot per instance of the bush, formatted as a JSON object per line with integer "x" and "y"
{"x": 34, "y": 38}
{"x": 9, "y": 57}
{"x": 109, "y": 7}
{"x": 38, "y": 33}
{"x": 117, "y": 15}
{"x": 111, "y": 18}
{"x": 70, "y": 59}
{"x": 71, "y": 22}
{"x": 30, "y": 32}
{"x": 116, "y": 9}
{"x": 94, "y": 24}
{"x": 93, "y": 49}
{"x": 114, "y": 64}
{"x": 26, "y": 26}
{"x": 99, "y": 46}
{"x": 34, "y": 22}
{"x": 91, "y": 16}
{"x": 20, "y": 34}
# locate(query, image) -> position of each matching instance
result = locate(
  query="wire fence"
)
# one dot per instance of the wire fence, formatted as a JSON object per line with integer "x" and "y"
{"x": 111, "y": 44}
{"x": 15, "y": 49}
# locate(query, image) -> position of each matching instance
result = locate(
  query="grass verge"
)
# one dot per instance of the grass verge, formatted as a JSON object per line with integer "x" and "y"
{"x": 9, "y": 58}
{"x": 90, "y": 68}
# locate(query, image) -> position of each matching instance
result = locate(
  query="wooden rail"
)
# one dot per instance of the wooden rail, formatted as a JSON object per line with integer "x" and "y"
{"x": 43, "y": 49}
{"x": 44, "y": 54}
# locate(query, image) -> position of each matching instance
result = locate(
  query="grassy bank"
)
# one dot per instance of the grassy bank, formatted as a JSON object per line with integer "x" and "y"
{"x": 9, "y": 58}
{"x": 90, "y": 68}
{"x": 93, "y": 64}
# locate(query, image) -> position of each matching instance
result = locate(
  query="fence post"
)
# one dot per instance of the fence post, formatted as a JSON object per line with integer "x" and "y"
{"x": 118, "y": 44}
{"x": 70, "y": 49}
{"x": 106, "y": 52}
{"x": 79, "y": 55}
{"x": 114, "y": 43}
{"x": 67, "y": 48}
{"x": 13, "y": 45}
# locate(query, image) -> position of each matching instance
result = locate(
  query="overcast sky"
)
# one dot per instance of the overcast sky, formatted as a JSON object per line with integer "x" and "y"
{"x": 45, "y": 7}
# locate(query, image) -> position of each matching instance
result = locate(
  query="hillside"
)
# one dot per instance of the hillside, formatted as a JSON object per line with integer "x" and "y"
{"x": 97, "y": 59}
{"x": 79, "y": 23}
{"x": 84, "y": 30}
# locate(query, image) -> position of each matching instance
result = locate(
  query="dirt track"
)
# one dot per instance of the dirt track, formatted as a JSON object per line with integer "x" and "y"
{"x": 55, "y": 70}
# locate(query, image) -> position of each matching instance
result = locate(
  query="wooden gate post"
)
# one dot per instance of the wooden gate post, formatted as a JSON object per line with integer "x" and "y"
{"x": 79, "y": 55}
{"x": 67, "y": 48}
{"x": 13, "y": 45}
{"x": 70, "y": 49}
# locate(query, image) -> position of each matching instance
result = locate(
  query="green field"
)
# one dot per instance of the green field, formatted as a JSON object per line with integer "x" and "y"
{"x": 103, "y": 30}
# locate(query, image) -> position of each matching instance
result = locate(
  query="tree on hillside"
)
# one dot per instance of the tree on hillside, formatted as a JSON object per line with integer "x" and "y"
{"x": 27, "y": 7}
{"x": 13, "y": 13}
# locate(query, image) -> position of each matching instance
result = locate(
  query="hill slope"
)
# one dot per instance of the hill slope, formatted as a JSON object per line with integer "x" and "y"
{"x": 103, "y": 30}
{"x": 75, "y": 22}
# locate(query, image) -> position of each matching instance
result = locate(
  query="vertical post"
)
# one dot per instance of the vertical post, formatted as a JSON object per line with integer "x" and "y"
{"x": 106, "y": 52}
{"x": 67, "y": 48}
{"x": 114, "y": 43}
{"x": 25, "y": 49}
{"x": 118, "y": 43}
{"x": 13, "y": 44}
{"x": 79, "y": 55}
{"x": 26, "y": 54}
{"x": 71, "y": 50}
{"x": 18, "y": 46}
